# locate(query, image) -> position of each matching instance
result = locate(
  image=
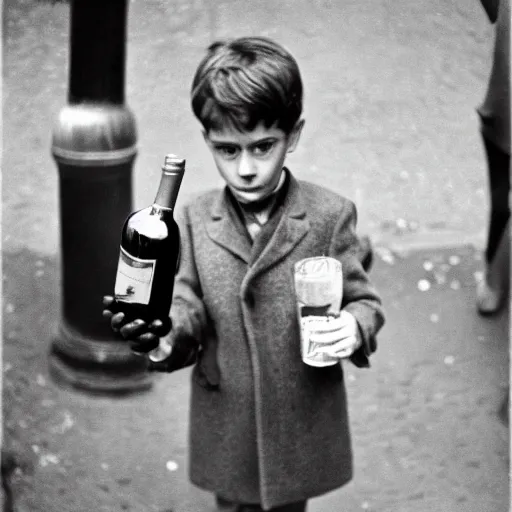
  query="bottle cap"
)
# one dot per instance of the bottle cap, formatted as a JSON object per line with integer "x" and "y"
{"x": 173, "y": 163}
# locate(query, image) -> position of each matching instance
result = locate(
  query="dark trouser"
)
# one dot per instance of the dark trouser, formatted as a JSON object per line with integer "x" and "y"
{"x": 498, "y": 166}
{"x": 228, "y": 506}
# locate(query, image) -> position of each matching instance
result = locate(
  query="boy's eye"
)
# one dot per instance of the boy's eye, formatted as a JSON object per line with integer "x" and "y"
{"x": 227, "y": 151}
{"x": 263, "y": 148}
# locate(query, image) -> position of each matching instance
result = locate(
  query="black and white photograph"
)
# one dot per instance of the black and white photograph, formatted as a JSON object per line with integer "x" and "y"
{"x": 255, "y": 256}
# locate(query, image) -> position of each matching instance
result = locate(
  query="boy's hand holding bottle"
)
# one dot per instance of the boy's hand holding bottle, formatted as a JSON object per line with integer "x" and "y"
{"x": 144, "y": 338}
{"x": 148, "y": 260}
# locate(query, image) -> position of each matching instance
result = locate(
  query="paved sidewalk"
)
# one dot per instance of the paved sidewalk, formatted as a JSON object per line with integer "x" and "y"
{"x": 426, "y": 432}
{"x": 390, "y": 95}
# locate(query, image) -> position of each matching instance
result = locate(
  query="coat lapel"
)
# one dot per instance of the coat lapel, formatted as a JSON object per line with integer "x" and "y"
{"x": 290, "y": 230}
{"x": 223, "y": 231}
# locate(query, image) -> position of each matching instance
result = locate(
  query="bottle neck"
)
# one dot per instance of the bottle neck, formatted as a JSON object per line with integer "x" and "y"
{"x": 168, "y": 190}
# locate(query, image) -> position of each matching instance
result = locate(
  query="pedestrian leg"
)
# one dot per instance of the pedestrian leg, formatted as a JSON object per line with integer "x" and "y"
{"x": 498, "y": 165}
{"x": 490, "y": 292}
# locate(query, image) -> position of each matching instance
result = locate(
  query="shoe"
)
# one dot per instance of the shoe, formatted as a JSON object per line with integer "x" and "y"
{"x": 488, "y": 300}
{"x": 493, "y": 290}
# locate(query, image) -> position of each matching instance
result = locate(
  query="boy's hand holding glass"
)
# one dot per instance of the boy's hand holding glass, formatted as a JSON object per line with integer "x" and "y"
{"x": 143, "y": 337}
{"x": 337, "y": 337}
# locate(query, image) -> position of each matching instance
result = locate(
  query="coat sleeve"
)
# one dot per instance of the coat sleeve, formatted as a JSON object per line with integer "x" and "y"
{"x": 359, "y": 295}
{"x": 188, "y": 314}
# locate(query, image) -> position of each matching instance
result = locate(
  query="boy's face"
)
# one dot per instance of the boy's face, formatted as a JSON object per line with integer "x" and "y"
{"x": 251, "y": 162}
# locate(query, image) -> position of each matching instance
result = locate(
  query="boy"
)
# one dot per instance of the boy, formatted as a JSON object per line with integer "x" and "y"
{"x": 267, "y": 432}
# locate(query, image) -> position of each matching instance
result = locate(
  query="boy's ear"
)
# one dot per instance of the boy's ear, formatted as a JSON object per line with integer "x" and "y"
{"x": 205, "y": 137}
{"x": 293, "y": 138}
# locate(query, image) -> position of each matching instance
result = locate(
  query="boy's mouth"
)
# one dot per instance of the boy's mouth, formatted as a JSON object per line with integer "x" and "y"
{"x": 248, "y": 190}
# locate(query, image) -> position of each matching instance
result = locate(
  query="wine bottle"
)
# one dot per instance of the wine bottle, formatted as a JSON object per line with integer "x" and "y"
{"x": 149, "y": 255}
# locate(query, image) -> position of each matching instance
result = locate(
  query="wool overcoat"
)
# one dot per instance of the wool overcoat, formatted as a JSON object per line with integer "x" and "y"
{"x": 265, "y": 427}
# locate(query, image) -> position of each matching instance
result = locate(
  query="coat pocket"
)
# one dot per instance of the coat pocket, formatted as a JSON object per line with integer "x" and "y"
{"x": 206, "y": 372}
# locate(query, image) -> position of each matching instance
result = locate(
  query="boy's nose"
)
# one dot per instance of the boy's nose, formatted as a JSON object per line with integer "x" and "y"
{"x": 245, "y": 166}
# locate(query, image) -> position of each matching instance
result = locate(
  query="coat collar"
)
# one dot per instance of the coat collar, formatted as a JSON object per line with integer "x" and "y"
{"x": 292, "y": 227}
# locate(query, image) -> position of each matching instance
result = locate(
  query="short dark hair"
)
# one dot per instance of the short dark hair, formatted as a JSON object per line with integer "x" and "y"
{"x": 242, "y": 82}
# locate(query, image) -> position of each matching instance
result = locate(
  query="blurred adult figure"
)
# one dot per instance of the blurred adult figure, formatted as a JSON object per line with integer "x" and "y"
{"x": 495, "y": 128}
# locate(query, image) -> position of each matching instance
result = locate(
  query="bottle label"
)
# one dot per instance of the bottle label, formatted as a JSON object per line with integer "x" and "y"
{"x": 134, "y": 278}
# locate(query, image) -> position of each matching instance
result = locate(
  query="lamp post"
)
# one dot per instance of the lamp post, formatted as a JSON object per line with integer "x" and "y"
{"x": 94, "y": 146}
